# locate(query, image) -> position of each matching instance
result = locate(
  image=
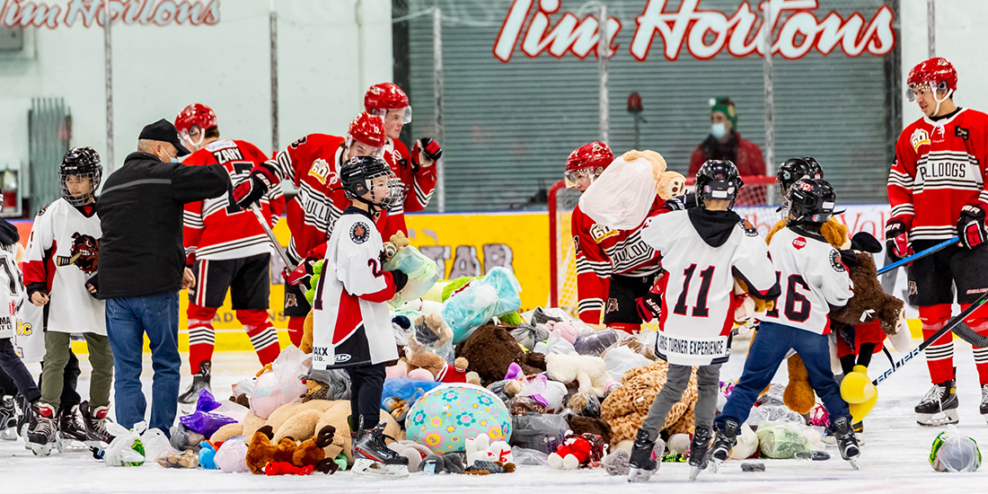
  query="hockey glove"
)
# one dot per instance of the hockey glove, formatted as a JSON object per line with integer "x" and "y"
{"x": 427, "y": 148}
{"x": 650, "y": 306}
{"x": 250, "y": 190}
{"x": 897, "y": 240}
{"x": 971, "y": 226}
{"x": 401, "y": 279}
{"x": 302, "y": 276}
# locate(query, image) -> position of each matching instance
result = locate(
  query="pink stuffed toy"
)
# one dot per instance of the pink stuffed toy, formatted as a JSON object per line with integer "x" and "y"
{"x": 565, "y": 328}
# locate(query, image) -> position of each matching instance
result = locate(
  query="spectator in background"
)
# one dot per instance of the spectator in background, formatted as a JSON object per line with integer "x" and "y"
{"x": 725, "y": 143}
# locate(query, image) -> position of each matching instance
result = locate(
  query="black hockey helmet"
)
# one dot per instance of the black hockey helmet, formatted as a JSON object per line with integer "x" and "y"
{"x": 816, "y": 171}
{"x": 811, "y": 200}
{"x": 790, "y": 171}
{"x": 357, "y": 174}
{"x": 83, "y": 162}
{"x": 717, "y": 179}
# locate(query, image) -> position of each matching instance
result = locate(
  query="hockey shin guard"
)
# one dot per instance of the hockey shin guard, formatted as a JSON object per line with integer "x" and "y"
{"x": 939, "y": 355}
{"x": 201, "y": 335}
{"x": 262, "y": 334}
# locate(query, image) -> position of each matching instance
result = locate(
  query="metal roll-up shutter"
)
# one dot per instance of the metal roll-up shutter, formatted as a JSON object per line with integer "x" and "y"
{"x": 510, "y": 126}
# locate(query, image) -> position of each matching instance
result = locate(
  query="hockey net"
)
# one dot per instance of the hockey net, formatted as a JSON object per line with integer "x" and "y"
{"x": 757, "y": 191}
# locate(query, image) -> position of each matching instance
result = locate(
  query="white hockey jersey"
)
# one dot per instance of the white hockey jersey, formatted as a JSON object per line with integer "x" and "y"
{"x": 63, "y": 253}
{"x": 697, "y": 302}
{"x": 812, "y": 276}
{"x": 11, "y": 291}
{"x": 352, "y": 324}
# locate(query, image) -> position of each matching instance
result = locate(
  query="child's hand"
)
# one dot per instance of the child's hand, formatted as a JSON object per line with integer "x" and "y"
{"x": 39, "y": 298}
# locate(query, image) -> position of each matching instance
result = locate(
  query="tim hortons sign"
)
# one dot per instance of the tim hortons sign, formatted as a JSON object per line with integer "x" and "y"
{"x": 26, "y": 13}
{"x": 797, "y": 27}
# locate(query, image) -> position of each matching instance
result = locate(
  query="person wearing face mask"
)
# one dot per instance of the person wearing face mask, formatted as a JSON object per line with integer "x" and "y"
{"x": 725, "y": 143}
{"x": 142, "y": 266}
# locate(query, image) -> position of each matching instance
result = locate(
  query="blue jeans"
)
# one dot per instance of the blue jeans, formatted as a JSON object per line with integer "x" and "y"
{"x": 768, "y": 350}
{"x": 127, "y": 320}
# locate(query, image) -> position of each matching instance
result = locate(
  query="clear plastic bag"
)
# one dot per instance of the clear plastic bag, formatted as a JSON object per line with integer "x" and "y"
{"x": 422, "y": 274}
{"x": 955, "y": 452}
{"x": 155, "y": 443}
{"x": 244, "y": 387}
{"x": 773, "y": 413}
{"x": 283, "y": 384}
{"x": 409, "y": 390}
{"x": 232, "y": 456}
{"x": 540, "y": 432}
{"x": 555, "y": 344}
{"x": 782, "y": 440}
{"x": 595, "y": 343}
{"x": 622, "y": 359}
{"x": 527, "y": 335}
{"x": 126, "y": 449}
{"x": 622, "y": 196}
{"x": 182, "y": 438}
{"x": 529, "y": 457}
{"x": 494, "y": 294}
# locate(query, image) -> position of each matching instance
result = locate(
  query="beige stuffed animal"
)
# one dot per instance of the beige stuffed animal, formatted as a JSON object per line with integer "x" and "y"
{"x": 669, "y": 184}
{"x": 588, "y": 371}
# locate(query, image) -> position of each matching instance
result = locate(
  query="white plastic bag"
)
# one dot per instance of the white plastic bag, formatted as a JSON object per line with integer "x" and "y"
{"x": 155, "y": 443}
{"x": 555, "y": 344}
{"x": 126, "y": 449}
{"x": 232, "y": 456}
{"x": 622, "y": 359}
{"x": 622, "y": 196}
{"x": 283, "y": 384}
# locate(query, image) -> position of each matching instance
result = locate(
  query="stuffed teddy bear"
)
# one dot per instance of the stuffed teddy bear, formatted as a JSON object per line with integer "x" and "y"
{"x": 430, "y": 332}
{"x": 261, "y": 451}
{"x": 226, "y": 432}
{"x": 397, "y": 242}
{"x": 566, "y": 330}
{"x": 669, "y": 184}
{"x": 587, "y": 425}
{"x": 588, "y": 371}
{"x": 577, "y": 451}
{"x": 481, "y": 448}
{"x": 625, "y": 407}
{"x": 309, "y": 453}
{"x": 428, "y": 366}
{"x": 491, "y": 349}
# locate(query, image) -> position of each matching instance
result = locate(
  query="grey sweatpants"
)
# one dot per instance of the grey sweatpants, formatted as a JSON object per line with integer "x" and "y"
{"x": 677, "y": 379}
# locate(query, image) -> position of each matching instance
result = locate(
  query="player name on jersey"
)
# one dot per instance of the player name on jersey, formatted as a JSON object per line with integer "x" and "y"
{"x": 694, "y": 350}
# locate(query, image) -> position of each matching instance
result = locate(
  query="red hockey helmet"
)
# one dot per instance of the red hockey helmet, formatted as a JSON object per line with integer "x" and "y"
{"x": 935, "y": 73}
{"x": 587, "y": 159}
{"x": 195, "y": 115}
{"x": 368, "y": 129}
{"x": 387, "y": 96}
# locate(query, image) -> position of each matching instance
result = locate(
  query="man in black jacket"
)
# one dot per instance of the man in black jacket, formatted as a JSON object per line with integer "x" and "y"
{"x": 142, "y": 266}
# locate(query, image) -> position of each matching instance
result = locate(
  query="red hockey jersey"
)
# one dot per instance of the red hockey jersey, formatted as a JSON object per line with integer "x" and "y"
{"x": 601, "y": 252}
{"x": 217, "y": 228}
{"x": 419, "y": 183}
{"x": 939, "y": 168}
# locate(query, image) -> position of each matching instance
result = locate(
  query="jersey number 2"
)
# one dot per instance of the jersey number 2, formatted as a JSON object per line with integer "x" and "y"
{"x": 700, "y": 309}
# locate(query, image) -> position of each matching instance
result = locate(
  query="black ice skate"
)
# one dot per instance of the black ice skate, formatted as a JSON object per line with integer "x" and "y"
{"x": 187, "y": 400}
{"x": 71, "y": 428}
{"x": 8, "y": 419}
{"x": 939, "y": 406}
{"x": 699, "y": 447}
{"x": 847, "y": 444}
{"x": 724, "y": 442}
{"x": 984, "y": 401}
{"x": 642, "y": 464}
{"x": 373, "y": 458}
{"x": 95, "y": 420}
{"x": 42, "y": 432}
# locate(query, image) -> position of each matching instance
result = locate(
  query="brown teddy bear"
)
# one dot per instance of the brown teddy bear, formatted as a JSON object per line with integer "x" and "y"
{"x": 261, "y": 451}
{"x": 491, "y": 349}
{"x": 625, "y": 407}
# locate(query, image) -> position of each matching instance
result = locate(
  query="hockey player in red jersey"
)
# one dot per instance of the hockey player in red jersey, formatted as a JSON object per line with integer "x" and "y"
{"x": 312, "y": 165}
{"x": 937, "y": 190}
{"x": 225, "y": 248}
{"x": 416, "y": 170}
{"x": 615, "y": 266}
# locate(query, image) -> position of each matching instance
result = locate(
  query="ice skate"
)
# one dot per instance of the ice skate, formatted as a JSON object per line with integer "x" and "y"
{"x": 723, "y": 443}
{"x": 95, "y": 420}
{"x": 939, "y": 406}
{"x": 846, "y": 442}
{"x": 699, "y": 447}
{"x": 8, "y": 419}
{"x": 642, "y": 464}
{"x": 42, "y": 433}
{"x": 71, "y": 429}
{"x": 984, "y": 401}
{"x": 187, "y": 400}
{"x": 373, "y": 458}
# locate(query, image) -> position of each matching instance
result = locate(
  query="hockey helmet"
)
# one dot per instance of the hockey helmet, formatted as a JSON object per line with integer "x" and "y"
{"x": 816, "y": 171}
{"x": 83, "y": 162}
{"x": 811, "y": 200}
{"x": 936, "y": 73}
{"x": 790, "y": 171}
{"x": 368, "y": 129}
{"x": 387, "y": 96}
{"x": 717, "y": 179}
{"x": 587, "y": 159}
{"x": 357, "y": 175}
{"x": 195, "y": 115}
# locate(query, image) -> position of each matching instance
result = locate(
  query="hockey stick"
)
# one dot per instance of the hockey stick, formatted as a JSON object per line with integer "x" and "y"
{"x": 949, "y": 326}
{"x": 289, "y": 266}
{"x": 923, "y": 253}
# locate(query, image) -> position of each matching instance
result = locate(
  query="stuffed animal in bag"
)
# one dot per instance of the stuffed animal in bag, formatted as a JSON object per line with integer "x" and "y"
{"x": 578, "y": 451}
{"x": 491, "y": 349}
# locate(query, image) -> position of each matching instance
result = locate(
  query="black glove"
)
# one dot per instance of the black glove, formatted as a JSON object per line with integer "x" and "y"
{"x": 94, "y": 283}
{"x": 31, "y": 288}
{"x": 849, "y": 258}
{"x": 401, "y": 279}
{"x": 971, "y": 226}
{"x": 649, "y": 306}
{"x": 897, "y": 240}
{"x": 250, "y": 190}
{"x": 429, "y": 148}
{"x": 685, "y": 201}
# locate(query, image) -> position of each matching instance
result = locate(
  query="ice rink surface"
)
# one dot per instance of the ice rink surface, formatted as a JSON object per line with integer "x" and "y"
{"x": 894, "y": 457}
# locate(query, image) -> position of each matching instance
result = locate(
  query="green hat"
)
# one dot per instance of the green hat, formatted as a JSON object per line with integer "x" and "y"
{"x": 725, "y": 106}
